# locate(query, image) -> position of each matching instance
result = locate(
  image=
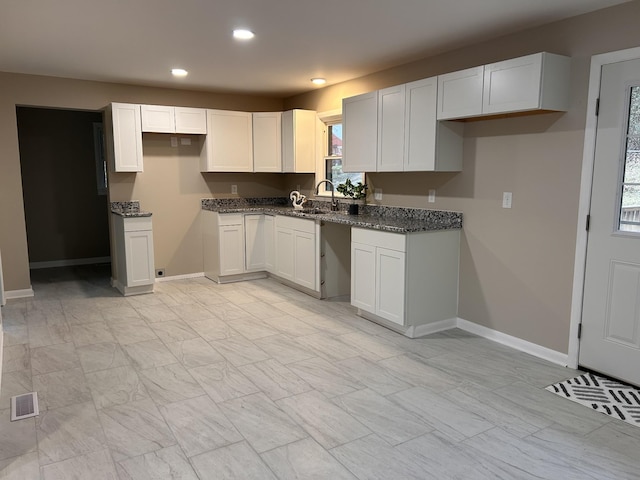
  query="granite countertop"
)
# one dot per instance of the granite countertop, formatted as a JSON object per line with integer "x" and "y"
{"x": 128, "y": 209}
{"x": 390, "y": 219}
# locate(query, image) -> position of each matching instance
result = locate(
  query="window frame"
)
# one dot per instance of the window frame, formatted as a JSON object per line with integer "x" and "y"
{"x": 327, "y": 119}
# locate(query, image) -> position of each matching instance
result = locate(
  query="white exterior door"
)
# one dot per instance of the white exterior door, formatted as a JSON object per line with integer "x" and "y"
{"x": 610, "y": 341}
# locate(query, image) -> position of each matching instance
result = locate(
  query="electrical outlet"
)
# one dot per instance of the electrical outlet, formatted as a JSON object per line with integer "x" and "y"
{"x": 159, "y": 272}
{"x": 432, "y": 196}
{"x": 174, "y": 141}
{"x": 234, "y": 189}
{"x": 377, "y": 194}
{"x": 298, "y": 188}
{"x": 507, "y": 198}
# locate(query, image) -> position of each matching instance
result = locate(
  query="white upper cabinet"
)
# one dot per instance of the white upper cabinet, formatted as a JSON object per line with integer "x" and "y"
{"x": 228, "y": 146}
{"x": 534, "y": 82}
{"x": 267, "y": 142}
{"x": 191, "y": 120}
{"x": 164, "y": 119}
{"x": 359, "y": 131}
{"x": 158, "y": 119}
{"x": 460, "y": 93}
{"x": 407, "y": 137}
{"x": 429, "y": 145}
{"x": 299, "y": 141}
{"x": 123, "y": 134}
{"x": 391, "y": 128}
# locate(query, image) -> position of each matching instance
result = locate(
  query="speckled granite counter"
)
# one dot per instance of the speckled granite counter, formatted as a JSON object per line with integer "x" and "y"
{"x": 390, "y": 219}
{"x": 128, "y": 209}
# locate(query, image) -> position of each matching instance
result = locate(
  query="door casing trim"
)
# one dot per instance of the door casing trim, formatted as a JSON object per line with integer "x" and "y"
{"x": 586, "y": 181}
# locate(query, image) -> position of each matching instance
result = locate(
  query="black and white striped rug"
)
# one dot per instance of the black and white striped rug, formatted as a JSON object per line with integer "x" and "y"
{"x": 602, "y": 394}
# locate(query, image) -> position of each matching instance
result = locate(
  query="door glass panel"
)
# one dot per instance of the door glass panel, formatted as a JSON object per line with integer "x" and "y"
{"x": 630, "y": 186}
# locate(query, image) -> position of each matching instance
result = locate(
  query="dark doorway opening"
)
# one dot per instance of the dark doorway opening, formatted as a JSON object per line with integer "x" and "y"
{"x": 64, "y": 187}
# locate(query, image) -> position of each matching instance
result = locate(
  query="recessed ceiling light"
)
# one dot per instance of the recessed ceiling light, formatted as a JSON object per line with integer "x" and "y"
{"x": 179, "y": 72}
{"x": 318, "y": 81}
{"x": 243, "y": 34}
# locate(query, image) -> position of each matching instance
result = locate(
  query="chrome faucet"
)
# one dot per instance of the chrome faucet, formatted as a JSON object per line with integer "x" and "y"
{"x": 334, "y": 203}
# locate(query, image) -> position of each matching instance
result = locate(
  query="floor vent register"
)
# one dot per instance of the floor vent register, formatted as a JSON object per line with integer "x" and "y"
{"x": 24, "y": 406}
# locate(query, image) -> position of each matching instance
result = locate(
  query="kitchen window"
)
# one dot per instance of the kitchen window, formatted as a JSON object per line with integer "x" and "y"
{"x": 331, "y": 168}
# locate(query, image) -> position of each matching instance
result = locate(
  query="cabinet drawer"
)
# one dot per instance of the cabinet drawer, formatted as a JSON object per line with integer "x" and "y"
{"x": 392, "y": 241}
{"x": 137, "y": 224}
{"x": 230, "y": 219}
{"x": 299, "y": 224}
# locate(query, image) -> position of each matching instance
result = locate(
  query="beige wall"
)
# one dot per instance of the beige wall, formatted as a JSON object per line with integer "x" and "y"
{"x": 516, "y": 268}
{"x": 180, "y": 252}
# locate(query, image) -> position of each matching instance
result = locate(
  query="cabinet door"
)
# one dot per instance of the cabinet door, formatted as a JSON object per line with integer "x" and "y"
{"x": 267, "y": 142}
{"x": 126, "y": 143}
{"x": 254, "y": 235}
{"x": 391, "y": 125}
{"x": 299, "y": 141}
{"x": 460, "y": 93}
{"x": 191, "y": 120}
{"x": 363, "y": 275}
{"x": 229, "y": 143}
{"x": 304, "y": 259}
{"x": 390, "y": 279}
{"x": 158, "y": 119}
{"x": 284, "y": 253}
{"x": 359, "y": 132}
{"x": 231, "y": 249}
{"x": 420, "y": 125}
{"x": 512, "y": 85}
{"x": 139, "y": 258}
{"x": 269, "y": 243}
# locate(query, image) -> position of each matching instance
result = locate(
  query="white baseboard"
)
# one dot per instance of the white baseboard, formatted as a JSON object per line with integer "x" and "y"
{"x": 429, "y": 328}
{"x": 24, "y": 293}
{"x": 180, "y": 277}
{"x": 514, "y": 342}
{"x": 69, "y": 263}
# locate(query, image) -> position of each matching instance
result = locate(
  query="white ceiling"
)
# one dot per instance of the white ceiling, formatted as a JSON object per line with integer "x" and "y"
{"x": 139, "y": 41}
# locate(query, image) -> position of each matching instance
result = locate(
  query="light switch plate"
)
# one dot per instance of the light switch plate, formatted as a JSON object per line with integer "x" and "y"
{"x": 507, "y": 198}
{"x": 185, "y": 141}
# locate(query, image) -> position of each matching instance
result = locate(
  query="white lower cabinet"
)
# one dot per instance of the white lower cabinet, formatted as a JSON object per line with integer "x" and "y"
{"x": 269, "y": 243}
{"x": 297, "y": 251}
{"x": 223, "y": 245}
{"x": 231, "y": 249}
{"x": 363, "y": 276}
{"x": 284, "y": 253}
{"x": 239, "y": 246}
{"x": 254, "y": 240}
{"x": 408, "y": 279}
{"x": 134, "y": 257}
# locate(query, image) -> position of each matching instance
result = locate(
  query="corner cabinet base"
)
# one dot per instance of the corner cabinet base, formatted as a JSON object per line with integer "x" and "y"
{"x": 295, "y": 286}
{"x": 411, "y": 331}
{"x": 128, "y": 291}
{"x": 241, "y": 277}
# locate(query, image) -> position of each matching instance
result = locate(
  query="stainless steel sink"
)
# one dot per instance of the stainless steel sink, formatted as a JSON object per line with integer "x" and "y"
{"x": 313, "y": 211}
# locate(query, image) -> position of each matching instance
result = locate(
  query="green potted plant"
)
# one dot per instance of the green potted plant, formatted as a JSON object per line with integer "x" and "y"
{"x": 354, "y": 192}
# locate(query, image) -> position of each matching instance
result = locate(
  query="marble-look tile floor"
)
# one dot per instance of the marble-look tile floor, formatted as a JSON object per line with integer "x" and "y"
{"x": 255, "y": 380}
